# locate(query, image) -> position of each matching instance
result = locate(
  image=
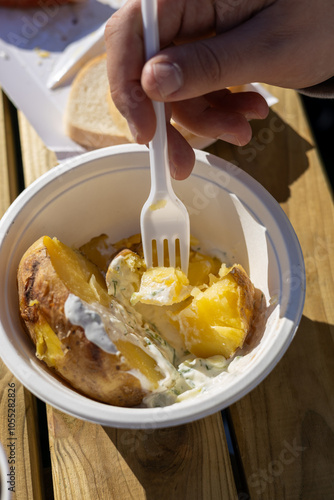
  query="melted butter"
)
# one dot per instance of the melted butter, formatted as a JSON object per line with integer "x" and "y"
{"x": 158, "y": 204}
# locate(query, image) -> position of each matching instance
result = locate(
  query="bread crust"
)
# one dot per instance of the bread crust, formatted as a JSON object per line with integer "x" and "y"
{"x": 90, "y": 118}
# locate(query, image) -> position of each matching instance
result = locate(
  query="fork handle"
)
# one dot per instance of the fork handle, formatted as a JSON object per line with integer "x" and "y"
{"x": 158, "y": 150}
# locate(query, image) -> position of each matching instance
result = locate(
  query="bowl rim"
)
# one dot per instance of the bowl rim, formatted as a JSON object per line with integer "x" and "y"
{"x": 181, "y": 413}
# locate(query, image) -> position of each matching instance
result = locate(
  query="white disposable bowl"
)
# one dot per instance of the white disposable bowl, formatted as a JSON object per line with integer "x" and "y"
{"x": 103, "y": 192}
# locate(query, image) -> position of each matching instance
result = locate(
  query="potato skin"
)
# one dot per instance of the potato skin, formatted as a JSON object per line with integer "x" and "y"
{"x": 89, "y": 369}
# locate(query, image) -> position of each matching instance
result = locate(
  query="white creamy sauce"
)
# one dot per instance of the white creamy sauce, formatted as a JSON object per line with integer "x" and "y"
{"x": 198, "y": 376}
{"x": 101, "y": 324}
{"x": 184, "y": 375}
{"x": 78, "y": 314}
{"x": 130, "y": 280}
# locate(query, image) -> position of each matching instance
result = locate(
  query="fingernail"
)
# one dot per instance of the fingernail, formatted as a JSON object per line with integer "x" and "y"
{"x": 252, "y": 115}
{"x": 230, "y": 138}
{"x": 172, "y": 169}
{"x": 168, "y": 77}
{"x": 133, "y": 130}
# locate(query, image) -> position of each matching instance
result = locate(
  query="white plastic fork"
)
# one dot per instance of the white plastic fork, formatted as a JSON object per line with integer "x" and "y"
{"x": 164, "y": 218}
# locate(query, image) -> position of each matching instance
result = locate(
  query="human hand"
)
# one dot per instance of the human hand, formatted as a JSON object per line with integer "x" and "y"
{"x": 205, "y": 47}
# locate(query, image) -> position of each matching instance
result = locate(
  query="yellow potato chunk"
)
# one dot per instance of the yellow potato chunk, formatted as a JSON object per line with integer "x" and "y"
{"x": 82, "y": 278}
{"x": 217, "y": 320}
{"x": 100, "y": 251}
{"x": 200, "y": 268}
{"x": 162, "y": 286}
{"x": 48, "y": 273}
{"x": 48, "y": 346}
{"x": 78, "y": 274}
{"x": 124, "y": 275}
{"x": 138, "y": 359}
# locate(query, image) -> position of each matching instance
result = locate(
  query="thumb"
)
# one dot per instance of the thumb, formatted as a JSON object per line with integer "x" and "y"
{"x": 241, "y": 55}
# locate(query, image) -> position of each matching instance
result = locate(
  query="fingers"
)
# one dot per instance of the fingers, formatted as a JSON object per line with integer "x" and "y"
{"x": 168, "y": 76}
{"x": 221, "y": 115}
{"x": 125, "y": 60}
{"x": 279, "y": 45}
{"x": 180, "y": 153}
{"x": 218, "y": 114}
{"x": 216, "y": 63}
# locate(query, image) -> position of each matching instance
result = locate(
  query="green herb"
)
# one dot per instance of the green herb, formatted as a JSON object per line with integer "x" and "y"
{"x": 185, "y": 370}
{"x": 156, "y": 292}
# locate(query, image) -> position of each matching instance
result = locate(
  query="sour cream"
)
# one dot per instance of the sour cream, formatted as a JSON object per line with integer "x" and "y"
{"x": 90, "y": 321}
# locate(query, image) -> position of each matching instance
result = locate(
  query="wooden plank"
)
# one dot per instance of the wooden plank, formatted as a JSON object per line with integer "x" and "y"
{"x": 36, "y": 158}
{"x": 188, "y": 462}
{"x": 90, "y": 461}
{"x": 19, "y": 437}
{"x": 8, "y": 185}
{"x": 18, "y": 432}
{"x": 285, "y": 427}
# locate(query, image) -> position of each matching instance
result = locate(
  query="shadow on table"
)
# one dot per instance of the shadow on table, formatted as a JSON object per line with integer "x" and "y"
{"x": 276, "y": 155}
{"x": 293, "y": 405}
{"x": 159, "y": 457}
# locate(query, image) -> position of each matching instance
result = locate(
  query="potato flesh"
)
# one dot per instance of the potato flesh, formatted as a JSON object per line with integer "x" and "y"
{"x": 48, "y": 346}
{"x": 99, "y": 251}
{"x": 218, "y": 319}
{"x": 83, "y": 280}
{"x": 76, "y": 272}
{"x": 139, "y": 360}
{"x": 200, "y": 268}
{"x": 162, "y": 286}
{"x": 215, "y": 323}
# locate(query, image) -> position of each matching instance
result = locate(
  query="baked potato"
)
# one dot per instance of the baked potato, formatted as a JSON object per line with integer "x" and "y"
{"x": 219, "y": 317}
{"x": 212, "y": 309}
{"x": 120, "y": 333}
{"x": 48, "y": 273}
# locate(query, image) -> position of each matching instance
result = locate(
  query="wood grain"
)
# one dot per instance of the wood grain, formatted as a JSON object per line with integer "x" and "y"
{"x": 19, "y": 434}
{"x": 36, "y": 158}
{"x": 8, "y": 185}
{"x": 285, "y": 427}
{"x": 188, "y": 461}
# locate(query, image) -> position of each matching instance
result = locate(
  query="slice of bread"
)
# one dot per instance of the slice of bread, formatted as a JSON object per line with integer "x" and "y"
{"x": 91, "y": 118}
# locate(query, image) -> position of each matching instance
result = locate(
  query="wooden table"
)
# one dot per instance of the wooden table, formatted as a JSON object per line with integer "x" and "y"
{"x": 275, "y": 443}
